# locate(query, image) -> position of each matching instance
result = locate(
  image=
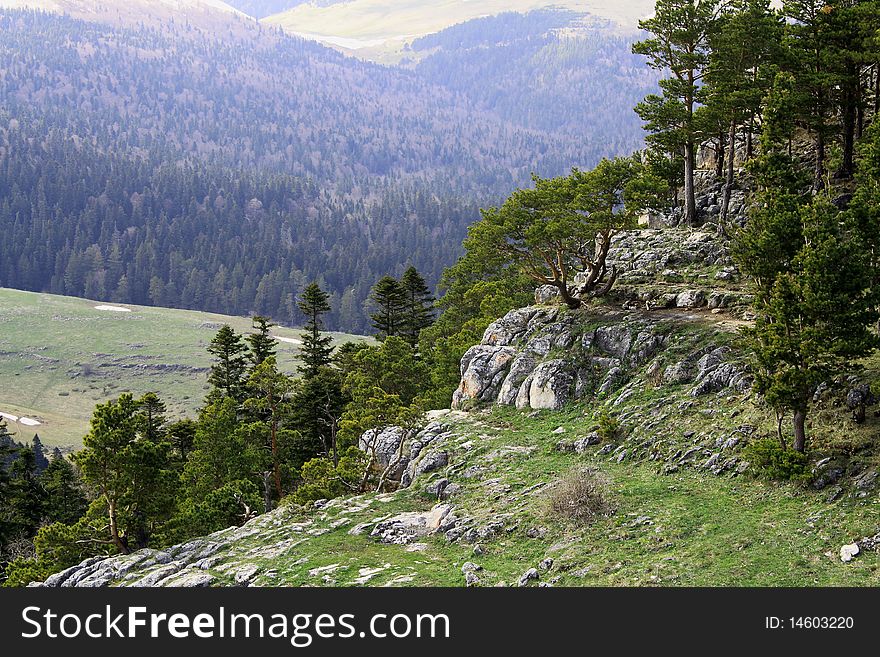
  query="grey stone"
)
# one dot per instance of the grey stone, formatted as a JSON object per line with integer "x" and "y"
{"x": 531, "y": 574}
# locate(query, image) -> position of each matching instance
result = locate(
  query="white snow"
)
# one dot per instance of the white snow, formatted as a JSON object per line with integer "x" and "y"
{"x": 288, "y": 340}
{"x": 26, "y": 421}
{"x": 116, "y": 309}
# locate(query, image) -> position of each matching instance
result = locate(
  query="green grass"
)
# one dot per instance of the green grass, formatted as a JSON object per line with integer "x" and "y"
{"x": 59, "y": 356}
{"x": 689, "y": 528}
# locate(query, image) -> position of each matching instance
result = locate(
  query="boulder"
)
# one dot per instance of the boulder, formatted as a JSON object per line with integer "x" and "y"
{"x": 690, "y": 299}
{"x": 548, "y": 387}
{"x": 406, "y": 528}
{"x": 484, "y": 368}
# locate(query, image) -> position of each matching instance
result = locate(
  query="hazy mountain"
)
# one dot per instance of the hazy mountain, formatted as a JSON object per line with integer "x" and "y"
{"x": 549, "y": 69}
{"x": 181, "y": 167}
{"x": 389, "y": 24}
{"x": 204, "y": 13}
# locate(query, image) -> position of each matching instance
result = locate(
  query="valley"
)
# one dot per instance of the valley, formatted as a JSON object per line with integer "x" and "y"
{"x": 59, "y": 356}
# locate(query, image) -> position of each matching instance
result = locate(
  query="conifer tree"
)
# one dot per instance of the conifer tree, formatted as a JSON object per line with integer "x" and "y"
{"x": 65, "y": 499}
{"x": 812, "y": 270}
{"x": 26, "y": 496}
{"x": 679, "y": 44}
{"x": 418, "y": 306}
{"x": 261, "y": 343}
{"x": 228, "y": 374}
{"x": 744, "y": 51}
{"x": 388, "y": 297}
{"x": 40, "y": 460}
{"x": 151, "y": 411}
{"x": 316, "y": 349}
{"x": 128, "y": 471}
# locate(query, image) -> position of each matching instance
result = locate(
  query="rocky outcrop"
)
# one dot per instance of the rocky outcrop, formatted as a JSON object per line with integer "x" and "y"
{"x": 543, "y": 357}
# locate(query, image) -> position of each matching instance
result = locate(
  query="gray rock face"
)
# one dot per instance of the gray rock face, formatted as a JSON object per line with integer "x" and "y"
{"x": 483, "y": 370}
{"x": 386, "y": 444}
{"x": 545, "y": 358}
{"x": 406, "y": 528}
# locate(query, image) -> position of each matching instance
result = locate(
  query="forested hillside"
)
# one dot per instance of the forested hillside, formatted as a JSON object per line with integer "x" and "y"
{"x": 218, "y": 173}
{"x": 551, "y": 69}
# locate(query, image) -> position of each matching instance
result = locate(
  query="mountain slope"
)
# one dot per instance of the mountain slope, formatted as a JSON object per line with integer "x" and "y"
{"x": 364, "y": 23}
{"x": 59, "y": 356}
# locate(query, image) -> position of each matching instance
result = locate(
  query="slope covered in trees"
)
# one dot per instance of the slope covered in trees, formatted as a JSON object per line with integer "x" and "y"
{"x": 552, "y": 69}
{"x": 169, "y": 166}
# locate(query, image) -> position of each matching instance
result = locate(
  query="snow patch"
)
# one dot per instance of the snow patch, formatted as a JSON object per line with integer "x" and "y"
{"x": 116, "y": 309}
{"x": 287, "y": 340}
{"x": 26, "y": 421}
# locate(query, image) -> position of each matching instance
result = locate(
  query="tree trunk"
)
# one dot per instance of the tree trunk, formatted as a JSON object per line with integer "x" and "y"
{"x": 572, "y": 302}
{"x": 719, "y": 157}
{"x": 750, "y": 147}
{"x": 114, "y": 529}
{"x": 849, "y": 127}
{"x": 800, "y": 432}
{"x": 690, "y": 201}
{"x": 276, "y": 466}
{"x": 728, "y": 186}
{"x": 820, "y": 156}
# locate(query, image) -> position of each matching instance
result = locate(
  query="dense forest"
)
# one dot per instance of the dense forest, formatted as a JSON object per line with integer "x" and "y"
{"x": 550, "y": 69}
{"x": 219, "y": 173}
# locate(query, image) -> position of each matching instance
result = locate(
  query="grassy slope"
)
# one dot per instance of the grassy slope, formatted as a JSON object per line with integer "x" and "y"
{"x": 48, "y": 342}
{"x": 687, "y": 528}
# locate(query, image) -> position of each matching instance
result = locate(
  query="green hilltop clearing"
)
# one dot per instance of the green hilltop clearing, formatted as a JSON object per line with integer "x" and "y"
{"x": 59, "y": 356}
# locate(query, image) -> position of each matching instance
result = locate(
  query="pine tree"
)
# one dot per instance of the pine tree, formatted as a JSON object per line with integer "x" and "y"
{"x": 26, "y": 496}
{"x": 268, "y": 397}
{"x": 262, "y": 344}
{"x": 812, "y": 274}
{"x": 130, "y": 473}
{"x": 229, "y": 371}
{"x": 388, "y": 297}
{"x": 418, "y": 306}
{"x": 65, "y": 499}
{"x": 316, "y": 350}
{"x": 744, "y": 51}
{"x": 317, "y": 405}
{"x": 151, "y": 411}
{"x": 40, "y": 460}
{"x": 679, "y": 44}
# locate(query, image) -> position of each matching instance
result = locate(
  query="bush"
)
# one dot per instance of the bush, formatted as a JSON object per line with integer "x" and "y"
{"x": 773, "y": 461}
{"x": 609, "y": 426}
{"x": 581, "y": 496}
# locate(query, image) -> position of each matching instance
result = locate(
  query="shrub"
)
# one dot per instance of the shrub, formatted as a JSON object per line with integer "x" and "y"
{"x": 774, "y": 461}
{"x": 581, "y": 496}
{"x": 609, "y": 426}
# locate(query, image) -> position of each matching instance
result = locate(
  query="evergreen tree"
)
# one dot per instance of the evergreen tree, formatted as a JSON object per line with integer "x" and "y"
{"x": 228, "y": 373}
{"x": 744, "y": 52}
{"x": 816, "y": 71}
{"x": 418, "y": 306}
{"x": 151, "y": 412}
{"x": 812, "y": 273}
{"x": 26, "y": 497}
{"x": 679, "y": 44}
{"x": 262, "y": 344}
{"x": 388, "y": 298}
{"x": 316, "y": 350}
{"x": 317, "y": 404}
{"x": 268, "y": 391}
{"x": 65, "y": 499}
{"x": 129, "y": 472}
{"x": 40, "y": 460}
{"x": 220, "y": 454}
